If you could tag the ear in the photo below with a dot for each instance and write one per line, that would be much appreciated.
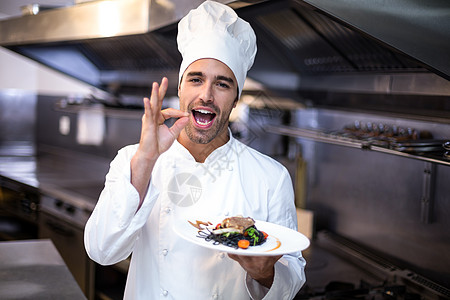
(237, 98)
(235, 102)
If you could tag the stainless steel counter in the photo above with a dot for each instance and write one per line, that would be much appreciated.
(34, 269)
(54, 190)
(75, 177)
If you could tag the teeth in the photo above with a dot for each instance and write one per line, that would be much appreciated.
(203, 123)
(203, 111)
(201, 118)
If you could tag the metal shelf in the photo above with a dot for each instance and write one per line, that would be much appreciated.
(324, 137)
(121, 113)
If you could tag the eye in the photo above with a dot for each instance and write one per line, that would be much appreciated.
(195, 80)
(223, 85)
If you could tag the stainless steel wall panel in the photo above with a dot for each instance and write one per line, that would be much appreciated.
(17, 116)
(376, 198)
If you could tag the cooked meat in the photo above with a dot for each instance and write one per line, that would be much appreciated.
(239, 223)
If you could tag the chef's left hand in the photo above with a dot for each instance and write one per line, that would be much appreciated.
(260, 268)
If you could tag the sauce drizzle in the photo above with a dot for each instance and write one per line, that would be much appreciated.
(277, 246)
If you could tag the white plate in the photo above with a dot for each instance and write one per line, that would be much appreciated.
(281, 240)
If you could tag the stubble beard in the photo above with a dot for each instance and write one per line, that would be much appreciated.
(205, 136)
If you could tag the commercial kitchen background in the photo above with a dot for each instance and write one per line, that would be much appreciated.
(378, 213)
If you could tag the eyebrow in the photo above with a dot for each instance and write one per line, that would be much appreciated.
(225, 78)
(194, 74)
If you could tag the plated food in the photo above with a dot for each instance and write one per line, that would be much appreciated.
(279, 240)
(236, 232)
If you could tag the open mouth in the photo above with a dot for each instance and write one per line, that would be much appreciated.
(203, 117)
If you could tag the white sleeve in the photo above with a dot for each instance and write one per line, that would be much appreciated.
(289, 278)
(113, 228)
(290, 269)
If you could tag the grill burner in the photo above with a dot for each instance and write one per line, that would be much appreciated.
(336, 290)
(338, 269)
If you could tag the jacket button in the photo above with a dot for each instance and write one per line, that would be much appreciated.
(167, 210)
(222, 255)
(215, 296)
(165, 293)
(165, 251)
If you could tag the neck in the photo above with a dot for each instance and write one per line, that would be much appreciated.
(201, 151)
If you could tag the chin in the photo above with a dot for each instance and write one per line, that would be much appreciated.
(200, 136)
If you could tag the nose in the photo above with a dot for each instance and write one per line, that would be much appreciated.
(207, 93)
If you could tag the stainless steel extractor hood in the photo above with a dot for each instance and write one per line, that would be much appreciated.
(109, 44)
(122, 46)
(353, 45)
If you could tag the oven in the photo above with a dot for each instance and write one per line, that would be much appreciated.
(64, 212)
(61, 221)
(19, 209)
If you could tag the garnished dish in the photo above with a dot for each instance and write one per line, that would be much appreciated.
(236, 232)
(256, 238)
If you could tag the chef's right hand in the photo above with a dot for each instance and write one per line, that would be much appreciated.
(156, 137)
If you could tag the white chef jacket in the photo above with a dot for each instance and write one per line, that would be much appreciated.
(234, 180)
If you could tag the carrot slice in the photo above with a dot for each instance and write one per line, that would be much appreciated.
(243, 244)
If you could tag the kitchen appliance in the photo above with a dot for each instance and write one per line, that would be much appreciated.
(62, 218)
(19, 207)
(64, 211)
(360, 273)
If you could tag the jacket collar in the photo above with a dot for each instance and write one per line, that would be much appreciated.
(223, 151)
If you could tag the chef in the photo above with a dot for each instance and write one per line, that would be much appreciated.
(195, 170)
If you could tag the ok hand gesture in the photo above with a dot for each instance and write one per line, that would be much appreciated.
(156, 137)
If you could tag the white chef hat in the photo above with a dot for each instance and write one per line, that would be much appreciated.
(214, 30)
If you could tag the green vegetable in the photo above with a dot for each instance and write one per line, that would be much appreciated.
(251, 232)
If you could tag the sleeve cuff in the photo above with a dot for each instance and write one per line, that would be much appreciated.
(276, 291)
(254, 289)
(283, 286)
